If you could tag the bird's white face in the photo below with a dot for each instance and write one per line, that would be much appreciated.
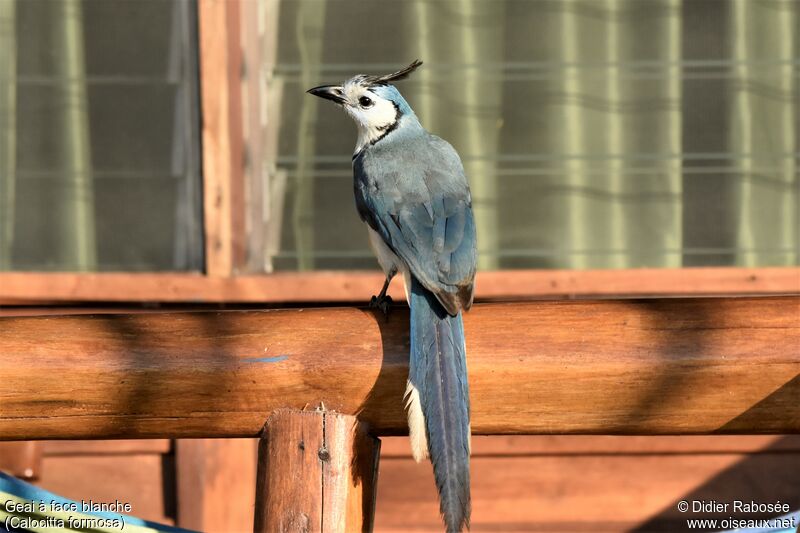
(372, 102)
(373, 114)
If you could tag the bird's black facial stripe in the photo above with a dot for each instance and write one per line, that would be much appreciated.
(388, 128)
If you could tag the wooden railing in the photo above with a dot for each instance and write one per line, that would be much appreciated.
(355, 286)
(668, 366)
(665, 366)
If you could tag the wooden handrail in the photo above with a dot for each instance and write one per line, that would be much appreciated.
(356, 286)
(668, 366)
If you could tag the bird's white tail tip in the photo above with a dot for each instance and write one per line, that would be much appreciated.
(416, 424)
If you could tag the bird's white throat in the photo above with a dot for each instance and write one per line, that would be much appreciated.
(374, 122)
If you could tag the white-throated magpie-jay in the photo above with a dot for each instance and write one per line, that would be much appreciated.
(412, 193)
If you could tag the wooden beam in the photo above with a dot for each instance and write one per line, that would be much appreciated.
(669, 366)
(354, 286)
(317, 471)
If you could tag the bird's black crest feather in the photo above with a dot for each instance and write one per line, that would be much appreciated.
(394, 76)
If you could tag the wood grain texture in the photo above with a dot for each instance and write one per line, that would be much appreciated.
(52, 448)
(220, 67)
(214, 484)
(618, 492)
(316, 472)
(520, 483)
(350, 475)
(547, 445)
(143, 480)
(598, 367)
(353, 286)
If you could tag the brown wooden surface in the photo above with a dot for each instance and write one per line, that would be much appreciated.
(354, 286)
(629, 490)
(215, 481)
(520, 483)
(139, 479)
(220, 66)
(543, 445)
(21, 459)
(316, 472)
(294, 502)
(53, 448)
(573, 483)
(350, 475)
(614, 367)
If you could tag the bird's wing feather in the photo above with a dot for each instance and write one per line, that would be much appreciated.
(418, 200)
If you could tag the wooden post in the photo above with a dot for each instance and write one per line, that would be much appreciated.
(317, 471)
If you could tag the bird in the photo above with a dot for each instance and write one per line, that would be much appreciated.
(412, 193)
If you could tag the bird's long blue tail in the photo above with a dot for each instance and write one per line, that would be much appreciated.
(438, 386)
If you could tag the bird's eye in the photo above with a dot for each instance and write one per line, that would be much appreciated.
(365, 101)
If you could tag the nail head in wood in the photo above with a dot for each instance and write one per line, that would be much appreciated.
(332, 490)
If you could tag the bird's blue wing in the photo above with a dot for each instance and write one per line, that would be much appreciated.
(418, 200)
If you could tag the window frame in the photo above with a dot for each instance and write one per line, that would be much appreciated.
(222, 145)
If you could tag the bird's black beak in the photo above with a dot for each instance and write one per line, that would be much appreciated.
(328, 92)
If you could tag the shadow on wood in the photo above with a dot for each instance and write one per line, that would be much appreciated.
(671, 366)
(768, 481)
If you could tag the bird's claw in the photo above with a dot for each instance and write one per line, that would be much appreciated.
(383, 303)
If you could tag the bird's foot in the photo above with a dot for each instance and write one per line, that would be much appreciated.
(383, 303)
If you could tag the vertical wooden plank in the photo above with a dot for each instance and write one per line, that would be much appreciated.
(236, 132)
(220, 72)
(317, 471)
(215, 484)
(254, 173)
(289, 477)
(262, 91)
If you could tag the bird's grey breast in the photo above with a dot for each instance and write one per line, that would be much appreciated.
(414, 194)
(384, 179)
